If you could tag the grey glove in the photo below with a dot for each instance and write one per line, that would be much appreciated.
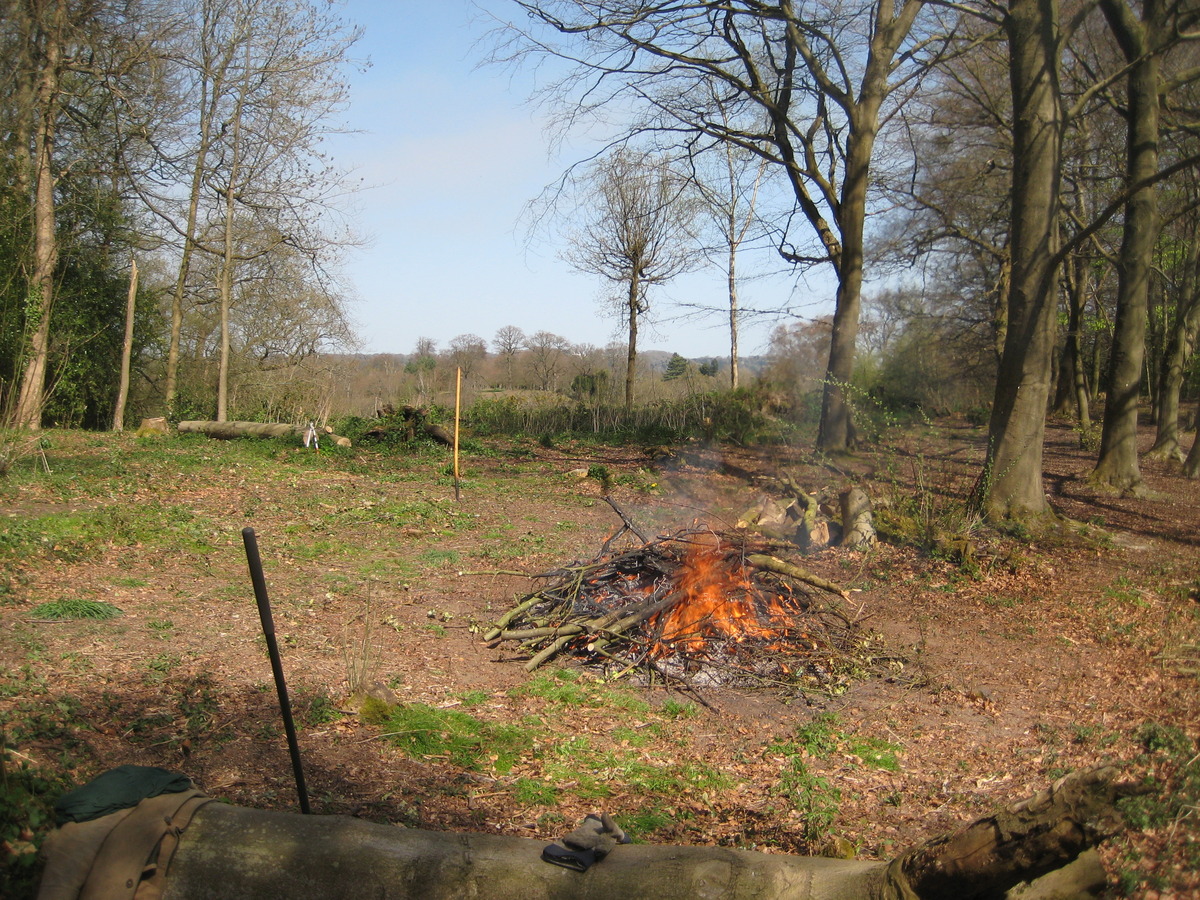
(598, 834)
(589, 843)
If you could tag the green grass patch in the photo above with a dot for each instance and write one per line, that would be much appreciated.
(567, 687)
(79, 534)
(560, 686)
(423, 731)
(532, 792)
(435, 557)
(594, 771)
(875, 753)
(75, 608)
(636, 737)
(677, 710)
(644, 823)
(823, 736)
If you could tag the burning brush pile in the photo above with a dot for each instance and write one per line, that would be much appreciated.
(700, 609)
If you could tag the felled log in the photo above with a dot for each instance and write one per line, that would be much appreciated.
(234, 852)
(233, 430)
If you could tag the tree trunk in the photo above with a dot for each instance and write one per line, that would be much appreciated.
(633, 302)
(733, 311)
(1072, 381)
(1117, 466)
(50, 33)
(836, 432)
(126, 350)
(1011, 483)
(1077, 278)
(1191, 465)
(1178, 353)
(231, 852)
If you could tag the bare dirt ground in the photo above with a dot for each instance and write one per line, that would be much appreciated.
(1028, 660)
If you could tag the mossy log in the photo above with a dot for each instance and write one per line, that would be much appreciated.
(230, 852)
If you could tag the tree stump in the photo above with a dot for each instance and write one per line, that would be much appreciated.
(858, 529)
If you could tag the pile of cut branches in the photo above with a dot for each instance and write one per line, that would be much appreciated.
(700, 608)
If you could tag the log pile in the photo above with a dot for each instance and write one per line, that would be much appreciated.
(813, 521)
(697, 607)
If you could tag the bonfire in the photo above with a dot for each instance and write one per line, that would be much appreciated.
(699, 608)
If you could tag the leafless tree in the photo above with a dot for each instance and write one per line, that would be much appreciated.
(548, 355)
(507, 343)
(727, 180)
(259, 83)
(805, 86)
(1144, 32)
(467, 351)
(636, 234)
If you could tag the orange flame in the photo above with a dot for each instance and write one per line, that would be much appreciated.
(719, 601)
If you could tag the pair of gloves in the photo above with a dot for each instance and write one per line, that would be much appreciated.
(593, 840)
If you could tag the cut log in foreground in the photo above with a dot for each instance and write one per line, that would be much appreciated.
(234, 852)
(233, 430)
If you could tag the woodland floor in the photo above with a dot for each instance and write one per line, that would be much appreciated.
(1034, 659)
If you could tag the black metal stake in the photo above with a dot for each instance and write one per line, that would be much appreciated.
(268, 627)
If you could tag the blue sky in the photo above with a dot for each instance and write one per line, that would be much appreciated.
(450, 154)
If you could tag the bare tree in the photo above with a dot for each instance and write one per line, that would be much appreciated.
(466, 352)
(507, 343)
(1143, 35)
(728, 180)
(805, 87)
(636, 235)
(1181, 340)
(260, 82)
(547, 356)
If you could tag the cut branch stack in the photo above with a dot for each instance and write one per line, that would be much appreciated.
(743, 615)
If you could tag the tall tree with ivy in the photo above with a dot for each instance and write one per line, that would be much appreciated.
(69, 68)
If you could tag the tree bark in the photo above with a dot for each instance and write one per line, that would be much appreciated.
(733, 315)
(891, 26)
(126, 350)
(1117, 466)
(1191, 465)
(49, 34)
(1011, 483)
(231, 852)
(1179, 351)
(633, 304)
